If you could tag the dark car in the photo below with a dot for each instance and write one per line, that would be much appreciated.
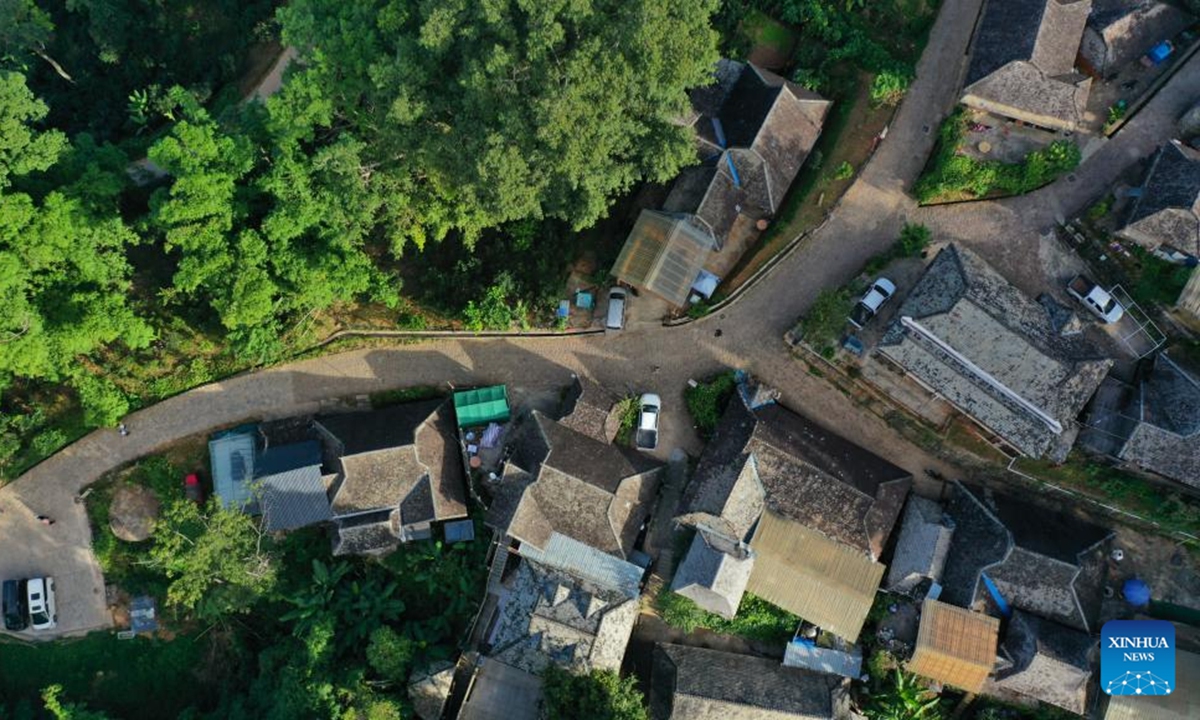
(192, 489)
(15, 617)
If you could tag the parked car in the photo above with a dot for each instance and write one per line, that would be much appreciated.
(15, 616)
(192, 489)
(879, 293)
(39, 596)
(647, 428)
(1095, 298)
(615, 319)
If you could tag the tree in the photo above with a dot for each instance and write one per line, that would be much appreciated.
(23, 148)
(214, 558)
(599, 695)
(63, 270)
(103, 402)
(26, 28)
(477, 114)
(52, 698)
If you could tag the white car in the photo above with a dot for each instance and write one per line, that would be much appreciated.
(650, 407)
(879, 293)
(39, 595)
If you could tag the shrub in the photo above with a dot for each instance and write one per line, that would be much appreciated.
(845, 171)
(390, 654)
(914, 238)
(598, 695)
(627, 410)
(889, 86)
(706, 402)
(103, 402)
(679, 612)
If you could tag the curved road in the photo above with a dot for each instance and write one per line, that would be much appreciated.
(746, 334)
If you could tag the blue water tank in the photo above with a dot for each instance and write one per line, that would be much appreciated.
(1136, 592)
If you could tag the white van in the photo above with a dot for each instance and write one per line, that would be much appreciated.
(43, 615)
(615, 320)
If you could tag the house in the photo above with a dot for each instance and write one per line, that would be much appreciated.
(547, 616)
(691, 683)
(283, 481)
(429, 688)
(567, 499)
(955, 646)
(664, 254)
(1119, 32)
(397, 470)
(1182, 705)
(921, 549)
(1165, 215)
(1023, 62)
(567, 511)
(1004, 556)
(968, 335)
(1046, 661)
(1164, 415)
(792, 513)
(754, 130)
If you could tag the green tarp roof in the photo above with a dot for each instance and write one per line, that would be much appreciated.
(481, 406)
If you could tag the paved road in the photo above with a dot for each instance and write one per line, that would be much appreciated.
(746, 334)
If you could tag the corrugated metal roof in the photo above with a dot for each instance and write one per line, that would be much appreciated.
(586, 562)
(802, 571)
(955, 646)
(481, 406)
(663, 254)
(1181, 705)
(232, 462)
(294, 499)
(803, 654)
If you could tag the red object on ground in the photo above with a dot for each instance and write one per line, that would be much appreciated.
(192, 489)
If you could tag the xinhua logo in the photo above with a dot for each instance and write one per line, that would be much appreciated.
(1137, 657)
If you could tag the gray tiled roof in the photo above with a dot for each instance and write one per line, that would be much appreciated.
(1057, 575)
(1166, 438)
(691, 683)
(566, 482)
(294, 499)
(1122, 30)
(921, 549)
(973, 337)
(404, 456)
(801, 471)
(1050, 662)
(365, 534)
(714, 574)
(770, 125)
(1168, 211)
(1022, 60)
(550, 617)
(589, 410)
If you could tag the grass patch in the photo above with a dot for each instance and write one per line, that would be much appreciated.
(1171, 510)
(1158, 282)
(756, 618)
(134, 679)
(951, 176)
(416, 393)
(707, 401)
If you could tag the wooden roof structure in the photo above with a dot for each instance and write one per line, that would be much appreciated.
(955, 646)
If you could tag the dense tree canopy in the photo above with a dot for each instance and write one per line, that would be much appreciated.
(598, 695)
(480, 113)
(64, 275)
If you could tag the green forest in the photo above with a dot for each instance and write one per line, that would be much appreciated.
(442, 160)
